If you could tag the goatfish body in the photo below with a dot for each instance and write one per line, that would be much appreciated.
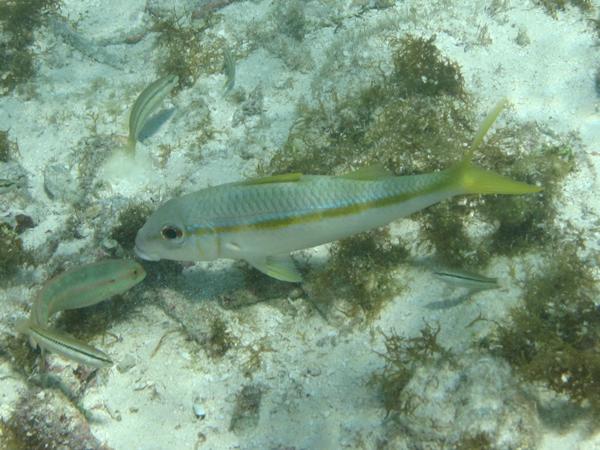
(262, 220)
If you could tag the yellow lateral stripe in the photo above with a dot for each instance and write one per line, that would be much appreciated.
(333, 212)
(284, 178)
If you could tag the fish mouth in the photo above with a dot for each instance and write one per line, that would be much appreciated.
(140, 254)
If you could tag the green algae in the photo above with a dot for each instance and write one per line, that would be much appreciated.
(87, 323)
(22, 356)
(553, 337)
(443, 226)
(219, 339)
(8, 148)
(553, 6)
(417, 119)
(420, 68)
(402, 356)
(246, 411)
(401, 122)
(46, 420)
(359, 271)
(12, 253)
(290, 19)
(18, 21)
(479, 441)
(130, 220)
(188, 49)
(257, 288)
(521, 223)
(526, 222)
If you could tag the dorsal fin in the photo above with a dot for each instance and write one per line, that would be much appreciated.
(485, 127)
(283, 178)
(368, 173)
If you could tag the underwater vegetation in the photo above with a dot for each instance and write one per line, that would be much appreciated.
(525, 223)
(479, 441)
(402, 121)
(520, 223)
(187, 49)
(12, 252)
(420, 68)
(553, 6)
(8, 148)
(360, 271)
(246, 411)
(418, 118)
(554, 337)
(44, 419)
(290, 19)
(130, 220)
(402, 356)
(18, 21)
(219, 339)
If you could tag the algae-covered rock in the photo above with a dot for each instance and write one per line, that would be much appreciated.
(60, 184)
(246, 411)
(46, 419)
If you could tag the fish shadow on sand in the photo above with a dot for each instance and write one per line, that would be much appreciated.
(154, 123)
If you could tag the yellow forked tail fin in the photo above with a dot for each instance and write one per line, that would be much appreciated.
(475, 180)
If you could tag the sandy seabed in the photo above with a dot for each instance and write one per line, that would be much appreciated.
(291, 379)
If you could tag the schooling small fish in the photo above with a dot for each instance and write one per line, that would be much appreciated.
(262, 220)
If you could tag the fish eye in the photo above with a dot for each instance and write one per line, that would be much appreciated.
(170, 232)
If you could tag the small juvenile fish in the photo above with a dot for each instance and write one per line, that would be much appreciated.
(228, 70)
(146, 104)
(85, 286)
(63, 344)
(469, 280)
(263, 220)
(77, 288)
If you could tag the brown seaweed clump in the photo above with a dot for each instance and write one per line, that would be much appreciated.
(554, 337)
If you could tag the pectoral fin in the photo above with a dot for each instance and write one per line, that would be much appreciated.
(279, 267)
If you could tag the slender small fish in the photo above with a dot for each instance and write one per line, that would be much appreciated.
(64, 344)
(472, 281)
(146, 104)
(263, 220)
(228, 70)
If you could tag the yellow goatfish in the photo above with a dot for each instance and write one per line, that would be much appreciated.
(262, 220)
